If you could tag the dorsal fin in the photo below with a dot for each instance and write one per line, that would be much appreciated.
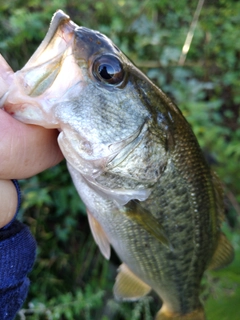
(99, 236)
(223, 254)
(128, 286)
(219, 196)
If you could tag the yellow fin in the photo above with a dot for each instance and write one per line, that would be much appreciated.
(164, 314)
(147, 221)
(128, 286)
(99, 236)
(223, 254)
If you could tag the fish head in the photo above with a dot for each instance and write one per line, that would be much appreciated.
(80, 82)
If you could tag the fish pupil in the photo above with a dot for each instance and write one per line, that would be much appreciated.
(106, 71)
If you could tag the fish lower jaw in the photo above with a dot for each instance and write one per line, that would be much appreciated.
(29, 114)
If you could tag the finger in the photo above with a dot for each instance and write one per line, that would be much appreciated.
(6, 74)
(8, 202)
(26, 150)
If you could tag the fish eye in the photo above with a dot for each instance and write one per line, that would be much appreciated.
(108, 69)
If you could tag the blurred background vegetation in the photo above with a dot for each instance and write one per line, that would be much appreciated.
(71, 280)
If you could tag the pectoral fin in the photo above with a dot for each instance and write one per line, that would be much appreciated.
(99, 236)
(147, 221)
(128, 286)
(223, 254)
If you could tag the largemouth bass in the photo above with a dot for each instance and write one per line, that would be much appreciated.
(134, 160)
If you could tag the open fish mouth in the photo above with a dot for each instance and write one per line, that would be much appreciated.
(58, 38)
(45, 78)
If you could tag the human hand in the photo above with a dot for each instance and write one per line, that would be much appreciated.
(25, 150)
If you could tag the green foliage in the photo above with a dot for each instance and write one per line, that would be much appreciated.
(65, 306)
(70, 279)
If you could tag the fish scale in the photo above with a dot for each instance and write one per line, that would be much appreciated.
(156, 249)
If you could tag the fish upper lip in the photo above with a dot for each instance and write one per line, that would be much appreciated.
(62, 27)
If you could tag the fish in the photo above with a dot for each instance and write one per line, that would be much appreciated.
(135, 162)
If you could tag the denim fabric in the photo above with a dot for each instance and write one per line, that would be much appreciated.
(17, 255)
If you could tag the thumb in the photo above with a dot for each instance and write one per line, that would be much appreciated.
(8, 202)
